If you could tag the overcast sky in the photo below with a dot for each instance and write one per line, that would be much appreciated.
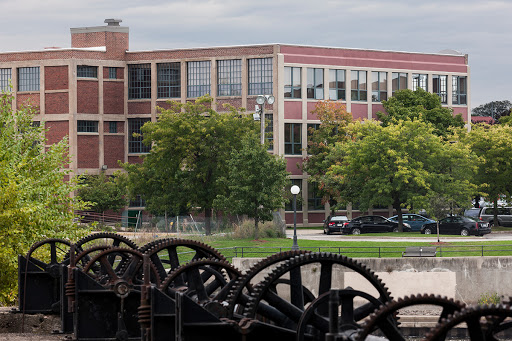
(480, 29)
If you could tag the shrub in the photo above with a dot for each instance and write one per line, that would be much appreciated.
(489, 298)
(266, 230)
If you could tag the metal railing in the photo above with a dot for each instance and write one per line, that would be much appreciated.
(372, 251)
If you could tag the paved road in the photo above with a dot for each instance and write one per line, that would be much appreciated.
(319, 235)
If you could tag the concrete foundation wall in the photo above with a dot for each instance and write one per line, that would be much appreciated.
(463, 279)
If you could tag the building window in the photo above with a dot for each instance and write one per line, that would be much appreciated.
(358, 86)
(269, 130)
(311, 128)
(337, 85)
(459, 89)
(169, 80)
(137, 202)
(293, 138)
(87, 126)
(87, 71)
(112, 127)
(112, 73)
(289, 204)
(398, 81)
(292, 76)
(139, 81)
(314, 199)
(28, 78)
(440, 87)
(419, 81)
(315, 88)
(379, 86)
(198, 78)
(5, 79)
(135, 137)
(260, 76)
(229, 77)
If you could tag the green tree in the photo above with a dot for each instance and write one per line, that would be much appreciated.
(493, 146)
(35, 193)
(494, 109)
(334, 119)
(102, 192)
(191, 144)
(255, 180)
(400, 165)
(408, 104)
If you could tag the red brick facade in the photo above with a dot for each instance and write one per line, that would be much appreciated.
(87, 151)
(56, 78)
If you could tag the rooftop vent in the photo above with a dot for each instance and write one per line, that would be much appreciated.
(113, 22)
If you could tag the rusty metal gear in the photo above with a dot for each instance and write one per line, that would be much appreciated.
(49, 252)
(271, 306)
(242, 288)
(383, 320)
(104, 238)
(483, 323)
(169, 254)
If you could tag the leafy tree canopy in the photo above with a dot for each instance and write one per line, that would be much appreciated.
(494, 109)
(407, 105)
(102, 192)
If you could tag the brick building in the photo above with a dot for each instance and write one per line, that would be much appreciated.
(98, 93)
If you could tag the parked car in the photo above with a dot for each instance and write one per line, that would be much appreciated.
(472, 212)
(372, 224)
(504, 216)
(464, 226)
(334, 224)
(416, 221)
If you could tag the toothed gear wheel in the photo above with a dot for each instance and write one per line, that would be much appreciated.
(145, 248)
(171, 253)
(102, 239)
(483, 323)
(269, 305)
(383, 319)
(239, 295)
(207, 281)
(48, 253)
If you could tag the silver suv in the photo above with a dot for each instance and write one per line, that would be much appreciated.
(504, 216)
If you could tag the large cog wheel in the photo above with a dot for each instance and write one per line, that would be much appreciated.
(270, 305)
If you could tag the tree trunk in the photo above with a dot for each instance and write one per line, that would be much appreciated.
(495, 219)
(207, 221)
(256, 234)
(398, 209)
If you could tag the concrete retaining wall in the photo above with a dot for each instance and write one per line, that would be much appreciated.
(464, 279)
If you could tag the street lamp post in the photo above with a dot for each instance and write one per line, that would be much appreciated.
(295, 190)
(261, 99)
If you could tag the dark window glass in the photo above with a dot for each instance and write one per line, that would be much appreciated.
(311, 128)
(315, 86)
(28, 78)
(398, 81)
(459, 89)
(139, 81)
(293, 138)
(314, 198)
(112, 73)
(269, 130)
(112, 127)
(419, 81)
(5, 79)
(292, 76)
(379, 86)
(198, 78)
(337, 85)
(229, 77)
(137, 202)
(440, 87)
(87, 71)
(168, 80)
(260, 76)
(289, 204)
(358, 83)
(87, 126)
(135, 137)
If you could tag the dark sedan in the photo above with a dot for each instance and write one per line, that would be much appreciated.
(372, 224)
(464, 226)
(334, 224)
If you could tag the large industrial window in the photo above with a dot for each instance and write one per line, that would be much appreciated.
(112, 127)
(292, 76)
(337, 85)
(440, 87)
(87, 126)
(229, 77)
(293, 138)
(315, 87)
(168, 80)
(419, 81)
(314, 198)
(260, 76)
(289, 205)
(28, 78)
(379, 86)
(139, 81)
(459, 89)
(87, 71)
(112, 73)
(135, 137)
(398, 81)
(5, 79)
(358, 83)
(198, 78)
